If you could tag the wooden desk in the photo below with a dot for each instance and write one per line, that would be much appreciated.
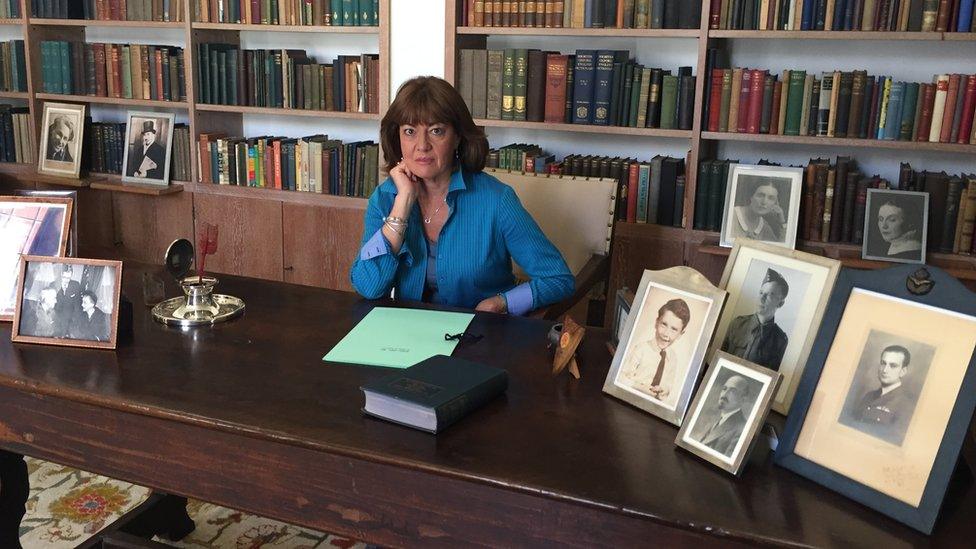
(247, 415)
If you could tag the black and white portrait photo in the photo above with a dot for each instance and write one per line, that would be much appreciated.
(895, 226)
(889, 379)
(69, 302)
(149, 144)
(62, 131)
(762, 203)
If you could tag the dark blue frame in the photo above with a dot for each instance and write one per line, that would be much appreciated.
(949, 294)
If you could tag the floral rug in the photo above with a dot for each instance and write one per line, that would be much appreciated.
(68, 506)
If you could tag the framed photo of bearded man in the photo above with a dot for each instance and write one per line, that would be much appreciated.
(149, 139)
(62, 132)
(762, 203)
(663, 342)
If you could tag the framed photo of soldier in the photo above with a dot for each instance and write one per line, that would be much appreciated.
(68, 301)
(776, 301)
(28, 225)
(889, 392)
(728, 412)
(149, 144)
(663, 343)
(762, 203)
(896, 226)
(62, 132)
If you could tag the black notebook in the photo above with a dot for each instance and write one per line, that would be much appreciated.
(434, 393)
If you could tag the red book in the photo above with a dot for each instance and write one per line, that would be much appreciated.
(101, 87)
(875, 106)
(204, 155)
(968, 106)
(123, 15)
(774, 116)
(745, 91)
(632, 180)
(715, 100)
(942, 20)
(159, 74)
(276, 160)
(754, 116)
(950, 107)
(255, 12)
(927, 97)
(715, 17)
(555, 109)
(113, 6)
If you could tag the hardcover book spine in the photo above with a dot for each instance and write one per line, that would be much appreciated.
(602, 91)
(938, 108)
(521, 82)
(794, 104)
(583, 74)
(555, 109)
(508, 85)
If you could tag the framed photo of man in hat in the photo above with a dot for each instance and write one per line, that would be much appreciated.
(62, 129)
(149, 139)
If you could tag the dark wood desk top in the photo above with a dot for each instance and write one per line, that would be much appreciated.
(262, 376)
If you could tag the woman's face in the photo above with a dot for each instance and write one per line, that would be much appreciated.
(891, 222)
(428, 150)
(764, 199)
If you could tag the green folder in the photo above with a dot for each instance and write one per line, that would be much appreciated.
(399, 338)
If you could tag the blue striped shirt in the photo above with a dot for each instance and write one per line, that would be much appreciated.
(486, 229)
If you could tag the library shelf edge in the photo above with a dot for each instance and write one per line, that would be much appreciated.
(113, 182)
(279, 111)
(584, 128)
(106, 23)
(337, 29)
(27, 173)
(899, 36)
(11, 21)
(571, 31)
(840, 142)
(94, 99)
(292, 197)
(14, 95)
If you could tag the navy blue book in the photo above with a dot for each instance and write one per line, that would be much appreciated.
(434, 393)
(583, 75)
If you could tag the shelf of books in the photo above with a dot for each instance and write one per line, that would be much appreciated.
(843, 142)
(838, 35)
(134, 24)
(94, 99)
(282, 111)
(251, 27)
(581, 32)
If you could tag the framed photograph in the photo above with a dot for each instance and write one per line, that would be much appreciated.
(62, 131)
(776, 301)
(621, 309)
(72, 249)
(762, 203)
(888, 393)
(68, 301)
(29, 225)
(149, 143)
(729, 411)
(896, 226)
(663, 342)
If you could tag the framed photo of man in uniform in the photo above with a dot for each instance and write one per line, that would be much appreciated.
(776, 300)
(62, 131)
(762, 203)
(149, 144)
(663, 342)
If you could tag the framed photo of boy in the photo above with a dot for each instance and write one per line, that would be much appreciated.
(762, 203)
(729, 411)
(663, 342)
(29, 225)
(149, 144)
(68, 301)
(62, 132)
(888, 393)
(776, 300)
(896, 226)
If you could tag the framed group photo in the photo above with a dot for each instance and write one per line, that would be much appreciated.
(663, 342)
(762, 203)
(62, 133)
(149, 144)
(896, 226)
(68, 301)
(888, 394)
(776, 301)
(29, 225)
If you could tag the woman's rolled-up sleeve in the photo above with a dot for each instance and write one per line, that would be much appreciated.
(374, 271)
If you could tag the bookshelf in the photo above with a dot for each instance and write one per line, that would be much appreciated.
(636, 247)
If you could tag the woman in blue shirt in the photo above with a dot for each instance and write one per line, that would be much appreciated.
(439, 229)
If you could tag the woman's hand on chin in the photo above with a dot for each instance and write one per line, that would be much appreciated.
(494, 304)
(406, 182)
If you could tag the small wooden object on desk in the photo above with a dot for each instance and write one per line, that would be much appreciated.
(572, 335)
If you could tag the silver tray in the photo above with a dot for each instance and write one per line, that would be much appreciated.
(174, 312)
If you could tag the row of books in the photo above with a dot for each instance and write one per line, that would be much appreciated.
(313, 164)
(597, 14)
(952, 207)
(599, 87)
(843, 15)
(842, 104)
(104, 149)
(287, 79)
(9, 9)
(130, 71)
(16, 135)
(109, 10)
(336, 13)
(13, 68)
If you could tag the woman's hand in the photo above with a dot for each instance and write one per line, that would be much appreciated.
(406, 182)
(494, 304)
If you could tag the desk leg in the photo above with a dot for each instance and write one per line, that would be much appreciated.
(167, 518)
(14, 491)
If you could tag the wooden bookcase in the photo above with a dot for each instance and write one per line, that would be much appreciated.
(292, 236)
(636, 247)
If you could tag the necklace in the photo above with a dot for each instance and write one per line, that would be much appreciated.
(431, 216)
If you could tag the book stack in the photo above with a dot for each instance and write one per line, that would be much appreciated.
(130, 71)
(344, 13)
(9, 9)
(843, 104)
(583, 14)
(843, 15)
(16, 135)
(599, 87)
(287, 79)
(314, 163)
(952, 208)
(109, 10)
(13, 69)
(104, 149)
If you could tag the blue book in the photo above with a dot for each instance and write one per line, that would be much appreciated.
(893, 119)
(965, 15)
(806, 21)
(584, 72)
(643, 185)
(588, 14)
(602, 90)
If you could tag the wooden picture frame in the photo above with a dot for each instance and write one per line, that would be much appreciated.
(148, 148)
(21, 235)
(667, 333)
(61, 138)
(899, 234)
(622, 303)
(754, 204)
(809, 280)
(894, 453)
(72, 248)
(65, 319)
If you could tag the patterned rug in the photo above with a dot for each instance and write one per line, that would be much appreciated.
(68, 506)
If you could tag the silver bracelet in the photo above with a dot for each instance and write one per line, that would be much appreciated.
(394, 228)
(396, 220)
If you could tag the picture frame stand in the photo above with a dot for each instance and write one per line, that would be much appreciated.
(569, 338)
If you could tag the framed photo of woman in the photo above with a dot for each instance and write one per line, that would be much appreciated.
(896, 226)
(62, 132)
(762, 203)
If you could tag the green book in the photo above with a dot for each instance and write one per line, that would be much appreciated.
(520, 80)
(64, 63)
(508, 85)
(348, 12)
(366, 13)
(723, 113)
(701, 195)
(669, 101)
(47, 79)
(635, 92)
(126, 73)
(794, 102)
(908, 112)
(336, 13)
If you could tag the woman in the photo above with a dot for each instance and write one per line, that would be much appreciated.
(899, 229)
(762, 218)
(439, 229)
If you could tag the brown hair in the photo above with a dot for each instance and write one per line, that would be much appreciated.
(430, 100)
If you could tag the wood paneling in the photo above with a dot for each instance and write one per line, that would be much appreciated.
(640, 247)
(146, 225)
(250, 235)
(320, 244)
